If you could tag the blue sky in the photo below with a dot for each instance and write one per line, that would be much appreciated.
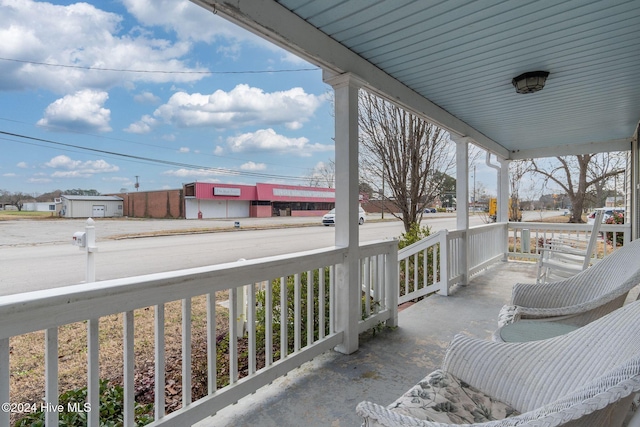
(180, 88)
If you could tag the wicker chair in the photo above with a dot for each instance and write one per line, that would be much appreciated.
(579, 299)
(588, 377)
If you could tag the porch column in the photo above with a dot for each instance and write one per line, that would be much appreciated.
(347, 290)
(462, 197)
(633, 205)
(503, 191)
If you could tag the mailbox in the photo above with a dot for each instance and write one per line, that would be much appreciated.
(80, 239)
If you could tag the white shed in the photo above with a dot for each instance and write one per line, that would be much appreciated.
(91, 206)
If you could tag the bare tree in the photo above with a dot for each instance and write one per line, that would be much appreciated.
(323, 174)
(403, 151)
(576, 174)
(517, 170)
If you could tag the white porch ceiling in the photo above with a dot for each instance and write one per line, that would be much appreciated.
(453, 61)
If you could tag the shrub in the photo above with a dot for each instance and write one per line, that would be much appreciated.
(290, 307)
(408, 267)
(111, 409)
(615, 218)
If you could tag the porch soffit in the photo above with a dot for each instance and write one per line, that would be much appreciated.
(453, 62)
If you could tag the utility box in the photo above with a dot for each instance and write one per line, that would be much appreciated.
(79, 239)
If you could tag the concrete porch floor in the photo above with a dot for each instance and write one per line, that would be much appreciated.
(325, 391)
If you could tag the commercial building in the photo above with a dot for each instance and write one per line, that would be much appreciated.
(212, 200)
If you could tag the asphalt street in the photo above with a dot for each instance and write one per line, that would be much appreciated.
(37, 255)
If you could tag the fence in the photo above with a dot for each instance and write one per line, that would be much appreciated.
(302, 284)
(525, 237)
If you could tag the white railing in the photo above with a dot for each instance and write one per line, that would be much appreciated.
(422, 268)
(379, 283)
(448, 258)
(524, 238)
(302, 284)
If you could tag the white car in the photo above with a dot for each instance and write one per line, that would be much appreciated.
(330, 217)
(608, 213)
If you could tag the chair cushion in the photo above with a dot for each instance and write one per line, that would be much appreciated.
(441, 397)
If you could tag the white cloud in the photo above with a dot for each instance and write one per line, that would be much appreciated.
(184, 150)
(39, 178)
(69, 168)
(192, 22)
(81, 111)
(147, 98)
(9, 175)
(252, 166)
(142, 126)
(22, 165)
(242, 106)
(218, 150)
(269, 140)
(82, 35)
(195, 173)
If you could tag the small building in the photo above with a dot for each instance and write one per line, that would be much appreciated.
(91, 206)
(42, 206)
(211, 200)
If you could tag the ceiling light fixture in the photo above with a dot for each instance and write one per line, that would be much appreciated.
(530, 82)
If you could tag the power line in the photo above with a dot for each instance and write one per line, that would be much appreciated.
(222, 171)
(155, 146)
(124, 70)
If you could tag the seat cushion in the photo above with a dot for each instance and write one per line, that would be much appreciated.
(441, 397)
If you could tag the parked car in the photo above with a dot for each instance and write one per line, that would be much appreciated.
(330, 217)
(430, 210)
(608, 213)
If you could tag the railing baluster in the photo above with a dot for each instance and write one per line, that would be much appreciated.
(51, 376)
(268, 324)
(251, 328)
(284, 304)
(380, 280)
(416, 267)
(425, 268)
(310, 296)
(159, 372)
(367, 286)
(332, 299)
(211, 344)
(129, 363)
(233, 335)
(321, 303)
(186, 352)
(297, 315)
(93, 372)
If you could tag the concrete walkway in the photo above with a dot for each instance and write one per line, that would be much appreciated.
(325, 392)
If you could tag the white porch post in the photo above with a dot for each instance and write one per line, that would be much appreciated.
(462, 197)
(503, 191)
(633, 205)
(346, 234)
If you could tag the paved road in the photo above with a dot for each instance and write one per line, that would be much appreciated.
(52, 261)
(38, 255)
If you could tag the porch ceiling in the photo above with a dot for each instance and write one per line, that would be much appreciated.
(453, 61)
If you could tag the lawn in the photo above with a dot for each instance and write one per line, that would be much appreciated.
(11, 215)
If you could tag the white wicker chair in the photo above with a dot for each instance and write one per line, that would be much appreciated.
(579, 299)
(588, 377)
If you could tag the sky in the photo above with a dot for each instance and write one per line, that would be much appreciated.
(94, 94)
(105, 94)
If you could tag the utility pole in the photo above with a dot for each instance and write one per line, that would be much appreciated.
(137, 185)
